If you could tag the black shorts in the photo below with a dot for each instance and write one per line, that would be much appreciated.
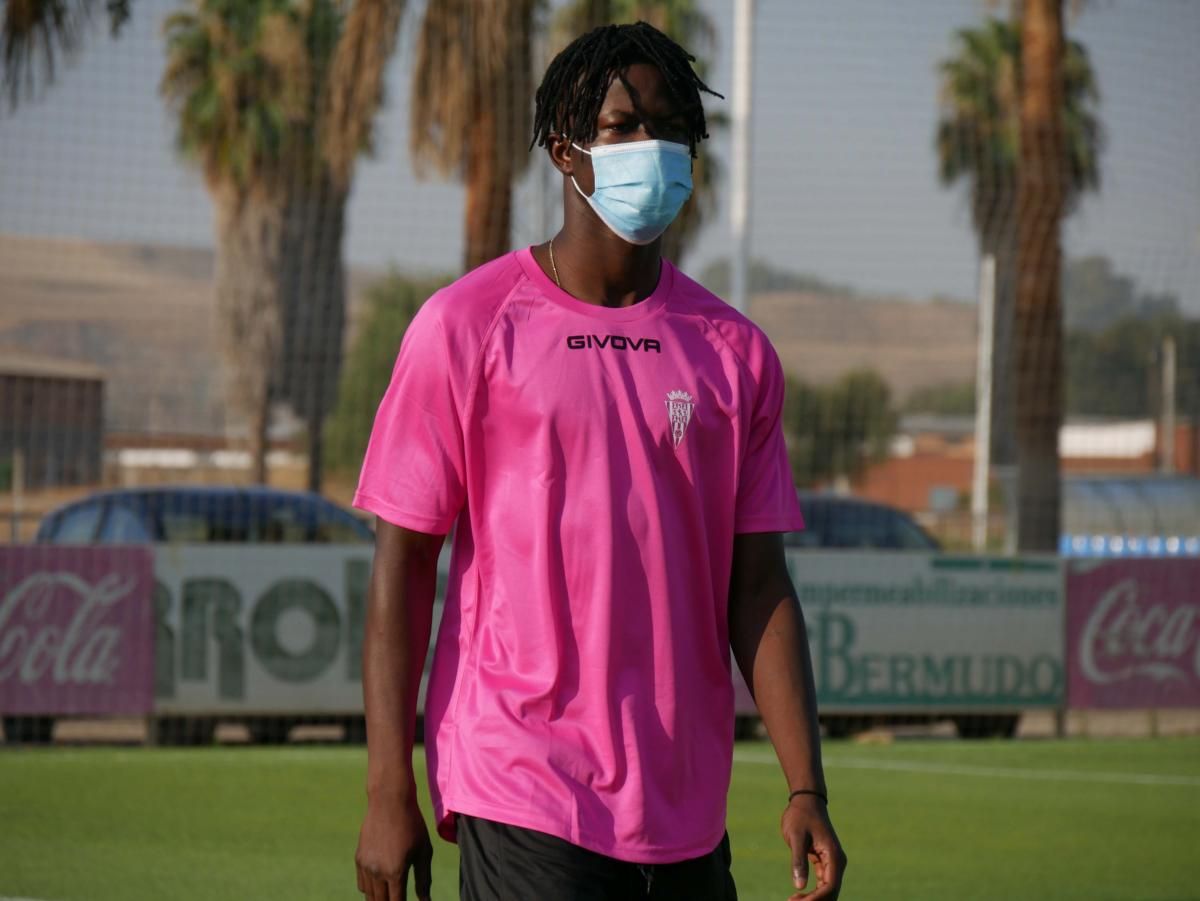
(499, 862)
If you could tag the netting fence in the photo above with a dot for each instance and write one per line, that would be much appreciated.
(213, 238)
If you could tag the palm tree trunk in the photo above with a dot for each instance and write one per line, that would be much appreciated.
(496, 142)
(598, 12)
(1038, 314)
(316, 291)
(260, 422)
(489, 190)
(314, 295)
(1001, 244)
(249, 245)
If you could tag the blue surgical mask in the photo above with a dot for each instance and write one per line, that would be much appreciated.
(640, 186)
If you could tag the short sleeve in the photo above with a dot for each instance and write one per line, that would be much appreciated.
(766, 495)
(413, 472)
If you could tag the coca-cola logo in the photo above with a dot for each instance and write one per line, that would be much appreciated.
(53, 625)
(1124, 638)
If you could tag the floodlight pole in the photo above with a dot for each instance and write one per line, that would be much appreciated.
(742, 109)
(983, 403)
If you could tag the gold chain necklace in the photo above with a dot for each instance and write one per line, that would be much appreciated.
(552, 266)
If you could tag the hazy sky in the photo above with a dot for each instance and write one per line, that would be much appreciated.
(844, 173)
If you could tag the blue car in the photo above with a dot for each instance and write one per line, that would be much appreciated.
(201, 514)
(838, 522)
(193, 514)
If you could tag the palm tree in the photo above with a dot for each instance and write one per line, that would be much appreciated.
(47, 29)
(276, 100)
(1045, 179)
(470, 108)
(978, 139)
(687, 24)
(239, 73)
(346, 90)
(389, 307)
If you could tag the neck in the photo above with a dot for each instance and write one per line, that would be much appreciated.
(597, 266)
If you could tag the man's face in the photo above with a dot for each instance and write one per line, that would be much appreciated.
(645, 111)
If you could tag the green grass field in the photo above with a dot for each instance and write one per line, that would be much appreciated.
(922, 820)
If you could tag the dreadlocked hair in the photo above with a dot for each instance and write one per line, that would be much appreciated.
(569, 99)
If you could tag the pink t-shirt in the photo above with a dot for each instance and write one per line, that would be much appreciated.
(598, 462)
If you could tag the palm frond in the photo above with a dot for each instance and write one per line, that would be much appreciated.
(472, 57)
(48, 29)
(977, 137)
(240, 76)
(443, 90)
(354, 86)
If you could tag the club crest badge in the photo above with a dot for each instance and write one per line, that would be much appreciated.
(679, 409)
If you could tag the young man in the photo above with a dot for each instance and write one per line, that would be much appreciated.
(606, 435)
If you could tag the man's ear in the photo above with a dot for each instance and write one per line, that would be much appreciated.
(561, 154)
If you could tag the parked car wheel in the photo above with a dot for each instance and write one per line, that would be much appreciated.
(745, 728)
(984, 726)
(846, 726)
(184, 731)
(354, 730)
(270, 730)
(28, 730)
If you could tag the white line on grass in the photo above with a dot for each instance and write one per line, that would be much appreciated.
(948, 769)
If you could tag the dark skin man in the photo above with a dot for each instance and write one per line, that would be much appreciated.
(766, 625)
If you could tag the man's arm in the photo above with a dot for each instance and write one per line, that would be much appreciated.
(766, 630)
(400, 598)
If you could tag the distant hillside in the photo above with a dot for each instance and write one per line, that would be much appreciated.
(144, 315)
(910, 343)
(141, 313)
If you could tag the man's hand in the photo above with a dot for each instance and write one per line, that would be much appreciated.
(808, 832)
(393, 840)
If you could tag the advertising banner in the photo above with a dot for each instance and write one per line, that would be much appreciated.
(923, 632)
(226, 629)
(1133, 633)
(260, 629)
(76, 630)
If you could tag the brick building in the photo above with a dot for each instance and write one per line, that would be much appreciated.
(930, 468)
(52, 411)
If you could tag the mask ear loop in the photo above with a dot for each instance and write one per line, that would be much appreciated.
(573, 181)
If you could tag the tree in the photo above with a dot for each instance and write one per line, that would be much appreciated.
(691, 28)
(1116, 372)
(470, 109)
(275, 100)
(351, 55)
(943, 399)
(836, 430)
(48, 29)
(238, 72)
(1042, 193)
(1095, 296)
(978, 139)
(392, 302)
